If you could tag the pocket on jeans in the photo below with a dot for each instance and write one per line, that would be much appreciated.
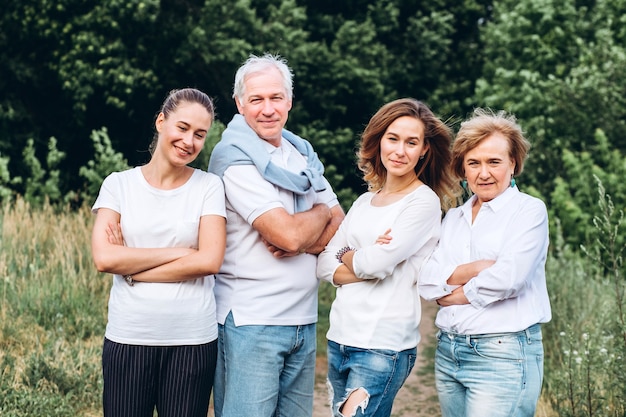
(411, 363)
(502, 348)
(536, 337)
(389, 354)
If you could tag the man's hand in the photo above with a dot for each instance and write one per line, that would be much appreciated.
(278, 252)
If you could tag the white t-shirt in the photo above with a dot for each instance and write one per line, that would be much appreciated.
(161, 314)
(383, 311)
(510, 295)
(257, 287)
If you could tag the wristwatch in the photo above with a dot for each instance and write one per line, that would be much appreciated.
(129, 280)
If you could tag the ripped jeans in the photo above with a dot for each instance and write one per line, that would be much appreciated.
(379, 372)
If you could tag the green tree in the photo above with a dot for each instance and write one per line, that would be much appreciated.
(43, 182)
(67, 66)
(106, 160)
(6, 182)
(575, 191)
(561, 69)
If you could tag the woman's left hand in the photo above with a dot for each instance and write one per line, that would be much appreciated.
(114, 234)
(457, 297)
(385, 238)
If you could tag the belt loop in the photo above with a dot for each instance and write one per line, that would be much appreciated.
(468, 339)
(528, 339)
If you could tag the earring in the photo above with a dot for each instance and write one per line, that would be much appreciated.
(464, 184)
(512, 182)
(421, 157)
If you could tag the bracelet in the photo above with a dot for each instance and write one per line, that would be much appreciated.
(129, 280)
(342, 252)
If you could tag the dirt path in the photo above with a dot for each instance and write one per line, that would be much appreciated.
(418, 396)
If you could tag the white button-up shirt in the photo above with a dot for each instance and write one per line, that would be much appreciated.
(510, 295)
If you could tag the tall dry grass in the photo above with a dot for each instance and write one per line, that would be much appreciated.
(52, 313)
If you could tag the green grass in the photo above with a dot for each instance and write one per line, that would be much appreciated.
(53, 316)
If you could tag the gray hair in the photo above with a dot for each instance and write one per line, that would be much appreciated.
(255, 64)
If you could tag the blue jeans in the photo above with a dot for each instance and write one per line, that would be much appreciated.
(380, 373)
(489, 375)
(264, 371)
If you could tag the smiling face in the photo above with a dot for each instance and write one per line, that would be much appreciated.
(401, 146)
(182, 133)
(489, 167)
(265, 104)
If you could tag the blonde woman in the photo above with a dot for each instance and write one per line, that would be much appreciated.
(488, 276)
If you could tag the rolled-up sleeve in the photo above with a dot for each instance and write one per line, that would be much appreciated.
(434, 276)
(522, 256)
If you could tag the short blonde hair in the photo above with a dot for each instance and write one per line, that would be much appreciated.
(481, 125)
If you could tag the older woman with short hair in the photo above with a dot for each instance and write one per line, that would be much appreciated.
(488, 276)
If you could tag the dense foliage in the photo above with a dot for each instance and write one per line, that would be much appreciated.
(71, 70)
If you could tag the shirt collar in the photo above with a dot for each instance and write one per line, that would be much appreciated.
(494, 205)
(502, 200)
(283, 151)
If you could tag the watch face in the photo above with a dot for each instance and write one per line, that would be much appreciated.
(129, 280)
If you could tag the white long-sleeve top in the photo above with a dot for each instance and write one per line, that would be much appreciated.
(383, 311)
(510, 295)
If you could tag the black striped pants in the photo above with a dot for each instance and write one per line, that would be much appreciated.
(177, 380)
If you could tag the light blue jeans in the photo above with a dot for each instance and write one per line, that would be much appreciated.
(489, 375)
(380, 373)
(264, 371)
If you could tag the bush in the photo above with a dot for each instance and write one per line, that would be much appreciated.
(585, 342)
